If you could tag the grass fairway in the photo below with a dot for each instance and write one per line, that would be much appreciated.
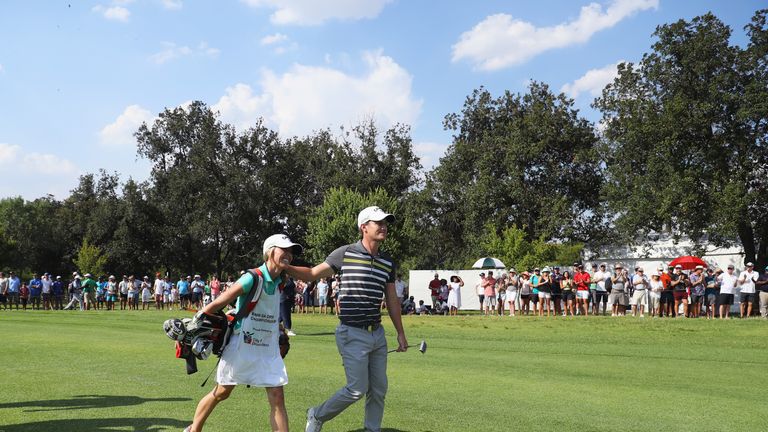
(116, 371)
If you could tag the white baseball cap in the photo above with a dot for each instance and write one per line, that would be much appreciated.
(282, 241)
(373, 213)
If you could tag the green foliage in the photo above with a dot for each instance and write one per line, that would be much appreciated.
(90, 259)
(334, 223)
(514, 250)
(686, 137)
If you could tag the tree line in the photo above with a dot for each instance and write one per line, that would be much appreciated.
(681, 147)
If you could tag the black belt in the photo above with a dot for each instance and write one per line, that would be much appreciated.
(367, 327)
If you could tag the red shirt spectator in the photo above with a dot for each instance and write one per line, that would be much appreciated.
(582, 280)
(434, 286)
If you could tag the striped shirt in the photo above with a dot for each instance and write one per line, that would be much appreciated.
(364, 278)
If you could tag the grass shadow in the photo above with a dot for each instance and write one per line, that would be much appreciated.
(104, 424)
(85, 402)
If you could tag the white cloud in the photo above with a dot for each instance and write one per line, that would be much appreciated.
(314, 12)
(592, 82)
(273, 39)
(501, 41)
(120, 132)
(1, 67)
(33, 175)
(114, 13)
(429, 153)
(308, 98)
(173, 52)
(173, 4)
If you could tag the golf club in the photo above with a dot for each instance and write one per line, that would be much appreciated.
(422, 347)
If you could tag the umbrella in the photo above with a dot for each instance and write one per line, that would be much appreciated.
(488, 263)
(688, 262)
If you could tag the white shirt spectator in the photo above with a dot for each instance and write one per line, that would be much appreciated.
(47, 282)
(747, 281)
(599, 278)
(727, 283)
(159, 286)
(322, 288)
(400, 288)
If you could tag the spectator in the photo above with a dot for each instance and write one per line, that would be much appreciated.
(133, 293)
(185, 296)
(335, 288)
(434, 290)
(89, 291)
(216, 288)
(654, 294)
(175, 297)
(159, 289)
(746, 281)
(197, 287)
(287, 300)
(4, 290)
(762, 285)
(442, 296)
(710, 293)
(513, 282)
(409, 306)
(101, 292)
(124, 285)
(309, 296)
(727, 283)
(600, 294)
(697, 291)
(35, 291)
(545, 291)
(501, 293)
(111, 292)
(582, 281)
(557, 292)
(525, 293)
(640, 284)
(489, 291)
(535, 289)
(57, 292)
(480, 290)
(47, 284)
(14, 289)
(146, 293)
(400, 288)
(422, 309)
(569, 297)
(454, 294)
(679, 290)
(322, 295)
(667, 297)
(593, 288)
(75, 293)
(618, 297)
(24, 295)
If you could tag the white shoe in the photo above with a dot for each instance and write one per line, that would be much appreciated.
(313, 424)
(290, 333)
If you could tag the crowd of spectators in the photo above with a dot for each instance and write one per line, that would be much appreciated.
(666, 291)
(87, 292)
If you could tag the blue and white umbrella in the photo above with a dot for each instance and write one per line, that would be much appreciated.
(488, 263)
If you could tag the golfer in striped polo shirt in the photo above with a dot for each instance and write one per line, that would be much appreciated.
(367, 277)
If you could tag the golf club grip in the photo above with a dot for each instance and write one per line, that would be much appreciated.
(391, 351)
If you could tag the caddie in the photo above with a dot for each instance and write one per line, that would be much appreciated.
(252, 356)
(367, 277)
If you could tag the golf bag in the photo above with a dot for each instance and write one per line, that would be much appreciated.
(206, 334)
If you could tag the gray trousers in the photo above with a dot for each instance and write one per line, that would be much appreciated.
(364, 355)
(764, 304)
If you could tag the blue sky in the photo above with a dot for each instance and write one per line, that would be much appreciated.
(77, 78)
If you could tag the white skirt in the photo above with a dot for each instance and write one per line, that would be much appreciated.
(241, 364)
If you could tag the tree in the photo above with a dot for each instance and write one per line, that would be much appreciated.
(334, 223)
(685, 137)
(512, 248)
(517, 160)
(90, 259)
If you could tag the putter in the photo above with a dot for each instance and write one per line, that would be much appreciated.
(422, 347)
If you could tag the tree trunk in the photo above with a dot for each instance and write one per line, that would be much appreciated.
(747, 237)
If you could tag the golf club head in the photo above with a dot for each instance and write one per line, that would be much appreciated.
(423, 346)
